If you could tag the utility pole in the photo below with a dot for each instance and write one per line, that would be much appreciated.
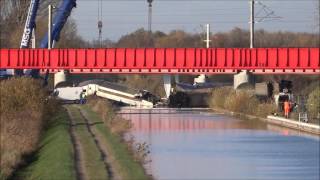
(100, 24)
(49, 26)
(100, 33)
(208, 36)
(203, 76)
(201, 79)
(252, 23)
(150, 15)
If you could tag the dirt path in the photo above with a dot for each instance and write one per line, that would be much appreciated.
(102, 144)
(78, 153)
(91, 152)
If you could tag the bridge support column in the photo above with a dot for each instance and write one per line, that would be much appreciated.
(167, 84)
(60, 77)
(177, 79)
(243, 79)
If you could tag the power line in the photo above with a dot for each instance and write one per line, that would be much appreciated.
(198, 0)
(265, 13)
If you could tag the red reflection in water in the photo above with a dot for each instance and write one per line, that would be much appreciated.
(285, 132)
(168, 121)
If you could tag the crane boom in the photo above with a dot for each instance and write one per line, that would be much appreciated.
(27, 32)
(30, 23)
(59, 21)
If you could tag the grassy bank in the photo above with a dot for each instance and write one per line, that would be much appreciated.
(54, 158)
(24, 111)
(243, 102)
(126, 160)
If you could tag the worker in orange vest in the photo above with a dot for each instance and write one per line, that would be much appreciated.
(286, 105)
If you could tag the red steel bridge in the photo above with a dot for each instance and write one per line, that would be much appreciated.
(165, 60)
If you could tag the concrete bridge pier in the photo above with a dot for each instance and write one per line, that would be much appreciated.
(60, 77)
(167, 85)
(243, 79)
(177, 78)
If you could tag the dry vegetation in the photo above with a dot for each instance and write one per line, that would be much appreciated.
(153, 83)
(105, 110)
(119, 126)
(313, 104)
(23, 110)
(240, 101)
(246, 102)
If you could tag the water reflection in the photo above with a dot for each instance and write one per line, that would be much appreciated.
(202, 145)
(291, 132)
(176, 120)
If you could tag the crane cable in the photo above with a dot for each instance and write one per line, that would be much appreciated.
(100, 24)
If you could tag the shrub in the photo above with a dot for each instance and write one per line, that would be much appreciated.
(265, 109)
(23, 106)
(313, 103)
(243, 101)
(218, 96)
(103, 107)
(119, 126)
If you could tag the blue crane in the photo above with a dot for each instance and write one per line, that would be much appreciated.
(30, 23)
(62, 14)
(29, 28)
(27, 33)
(59, 21)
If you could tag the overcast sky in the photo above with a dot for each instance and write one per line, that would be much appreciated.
(121, 17)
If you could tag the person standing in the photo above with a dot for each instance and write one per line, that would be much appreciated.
(286, 108)
(82, 101)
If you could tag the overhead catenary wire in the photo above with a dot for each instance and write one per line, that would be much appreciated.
(137, 18)
(195, 0)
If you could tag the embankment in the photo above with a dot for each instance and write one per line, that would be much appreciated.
(24, 112)
(54, 158)
(244, 104)
(125, 159)
(302, 126)
(37, 141)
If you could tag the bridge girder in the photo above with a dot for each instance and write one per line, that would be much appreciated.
(166, 60)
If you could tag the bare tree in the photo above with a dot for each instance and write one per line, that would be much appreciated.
(20, 8)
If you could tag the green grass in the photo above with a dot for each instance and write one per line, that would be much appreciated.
(127, 166)
(54, 159)
(93, 164)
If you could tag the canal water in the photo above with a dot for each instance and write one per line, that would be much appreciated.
(194, 144)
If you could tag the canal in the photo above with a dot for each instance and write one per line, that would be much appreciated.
(195, 144)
